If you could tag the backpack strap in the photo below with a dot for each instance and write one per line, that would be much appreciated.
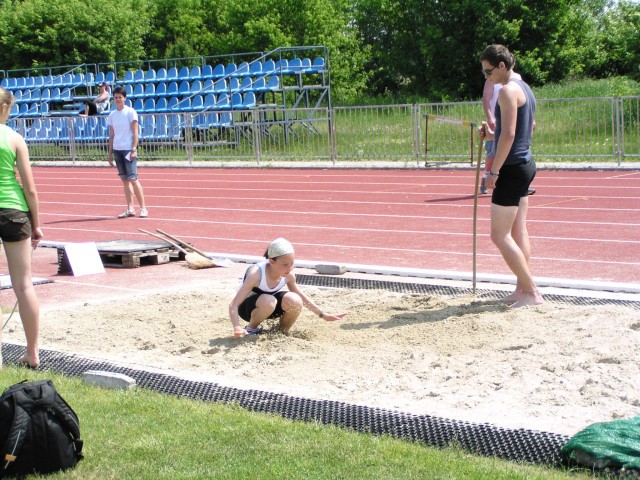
(62, 410)
(17, 434)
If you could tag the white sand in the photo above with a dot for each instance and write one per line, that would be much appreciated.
(554, 367)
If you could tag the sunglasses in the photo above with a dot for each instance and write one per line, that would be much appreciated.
(488, 71)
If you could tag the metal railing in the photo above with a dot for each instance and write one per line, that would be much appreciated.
(568, 130)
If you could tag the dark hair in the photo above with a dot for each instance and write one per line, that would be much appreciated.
(494, 54)
(121, 91)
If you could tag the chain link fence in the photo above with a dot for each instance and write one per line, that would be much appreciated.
(568, 130)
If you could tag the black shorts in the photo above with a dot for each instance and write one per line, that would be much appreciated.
(513, 183)
(15, 225)
(249, 304)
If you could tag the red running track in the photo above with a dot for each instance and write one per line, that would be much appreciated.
(584, 225)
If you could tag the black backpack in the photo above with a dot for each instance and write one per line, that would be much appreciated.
(39, 431)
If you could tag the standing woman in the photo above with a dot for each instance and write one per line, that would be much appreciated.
(19, 225)
(513, 170)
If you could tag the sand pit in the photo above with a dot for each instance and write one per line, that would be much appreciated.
(554, 367)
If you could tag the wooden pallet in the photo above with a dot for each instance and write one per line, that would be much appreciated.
(125, 254)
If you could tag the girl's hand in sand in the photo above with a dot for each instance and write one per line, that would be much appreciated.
(239, 332)
(332, 318)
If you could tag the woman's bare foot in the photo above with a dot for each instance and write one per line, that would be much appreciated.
(529, 298)
(513, 297)
(29, 362)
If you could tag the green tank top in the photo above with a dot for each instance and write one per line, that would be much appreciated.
(11, 193)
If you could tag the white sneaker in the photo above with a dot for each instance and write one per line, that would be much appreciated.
(144, 213)
(127, 213)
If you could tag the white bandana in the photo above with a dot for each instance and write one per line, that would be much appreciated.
(279, 247)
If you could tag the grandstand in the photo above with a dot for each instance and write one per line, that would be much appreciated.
(201, 99)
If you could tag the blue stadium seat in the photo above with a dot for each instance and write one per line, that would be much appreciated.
(160, 129)
(207, 86)
(147, 127)
(209, 101)
(128, 77)
(161, 74)
(6, 83)
(38, 81)
(295, 66)
(218, 71)
(242, 70)
(220, 86)
(138, 105)
(183, 74)
(21, 96)
(45, 94)
(15, 110)
(305, 66)
(100, 77)
(195, 73)
(149, 105)
(255, 68)
(204, 121)
(260, 85)
(28, 82)
(138, 91)
(222, 103)
(150, 75)
(172, 89)
(149, 90)
(268, 67)
(281, 66)
(246, 83)
(77, 79)
(102, 129)
(172, 73)
(138, 76)
(184, 88)
(197, 104)
(234, 84)
(128, 88)
(173, 103)
(161, 105)
(65, 94)
(110, 78)
(196, 86)
(236, 101)
(249, 100)
(161, 90)
(230, 69)
(35, 94)
(318, 65)
(207, 72)
(184, 105)
(225, 119)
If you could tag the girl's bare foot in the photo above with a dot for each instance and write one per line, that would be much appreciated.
(529, 298)
(28, 362)
(513, 297)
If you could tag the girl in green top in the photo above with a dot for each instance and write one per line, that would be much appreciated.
(19, 225)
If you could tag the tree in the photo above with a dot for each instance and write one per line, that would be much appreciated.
(41, 33)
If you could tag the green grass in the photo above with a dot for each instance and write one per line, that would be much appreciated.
(588, 88)
(139, 434)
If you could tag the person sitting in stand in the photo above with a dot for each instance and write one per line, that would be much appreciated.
(98, 104)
